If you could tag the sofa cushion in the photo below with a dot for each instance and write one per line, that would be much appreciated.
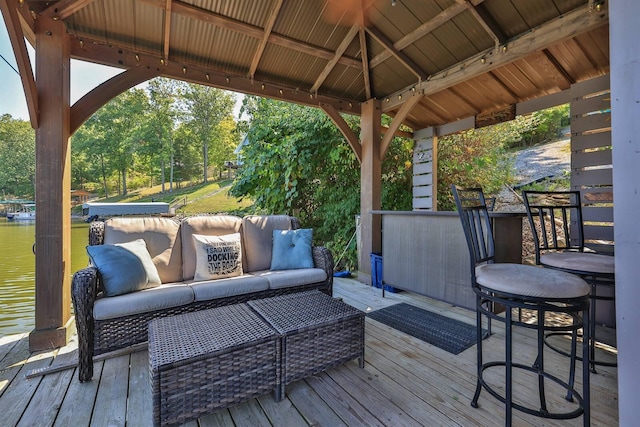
(217, 257)
(124, 267)
(162, 236)
(159, 298)
(292, 249)
(213, 289)
(206, 225)
(287, 278)
(257, 237)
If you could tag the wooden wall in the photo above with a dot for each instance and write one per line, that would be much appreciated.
(591, 164)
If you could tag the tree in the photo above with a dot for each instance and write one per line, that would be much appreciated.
(205, 109)
(17, 157)
(110, 136)
(160, 120)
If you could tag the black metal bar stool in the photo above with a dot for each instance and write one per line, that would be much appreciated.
(557, 225)
(517, 286)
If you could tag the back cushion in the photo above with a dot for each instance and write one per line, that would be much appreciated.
(207, 225)
(162, 236)
(257, 239)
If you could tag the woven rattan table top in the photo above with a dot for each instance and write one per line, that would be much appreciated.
(302, 310)
(202, 333)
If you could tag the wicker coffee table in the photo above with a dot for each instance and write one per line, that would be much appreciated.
(319, 332)
(208, 360)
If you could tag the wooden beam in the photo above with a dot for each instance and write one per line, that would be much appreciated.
(265, 38)
(107, 54)
(166, 30)
(16, 36)
(578, 21)
(365, 63)
(99, 96)
(339, 52)
(62, 9)
(397, 121)
(344, 128)
(194, 12)
(53, 320)
(400, 56)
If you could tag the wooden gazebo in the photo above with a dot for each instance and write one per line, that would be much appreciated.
(441, 65)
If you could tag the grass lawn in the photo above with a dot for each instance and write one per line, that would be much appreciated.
(200, 198)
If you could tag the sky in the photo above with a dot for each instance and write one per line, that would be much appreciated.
(84, 77)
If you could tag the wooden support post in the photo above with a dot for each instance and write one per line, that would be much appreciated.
(53, 319)
(370, 187)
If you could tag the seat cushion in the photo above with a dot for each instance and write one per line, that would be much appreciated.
(159, 298)
(580, 262)
(257, 237)
(220, 288)
(205, 225)
(162, 236)
(287, 278)
(530, 281)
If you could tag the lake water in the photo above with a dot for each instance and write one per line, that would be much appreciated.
(17, 271)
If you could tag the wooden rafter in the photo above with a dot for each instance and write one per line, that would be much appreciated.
(331, 64)
(365, 62)
(400, 56)
(486, 21)
(503, 86)
(421, 31)
(398, 120)
(16, 36)
(346, 131)
(265, 38)
(166, 30)
(559, 68)
(62, 9)
(199, 14)
(569, 25)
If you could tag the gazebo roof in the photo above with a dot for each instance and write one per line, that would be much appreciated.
(468, 57)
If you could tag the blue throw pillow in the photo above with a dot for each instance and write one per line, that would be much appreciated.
(292, 249)
(124, 267)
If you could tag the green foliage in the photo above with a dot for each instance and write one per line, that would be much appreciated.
(298, 163)
(17, 157)
(539, 127)
(474, 158)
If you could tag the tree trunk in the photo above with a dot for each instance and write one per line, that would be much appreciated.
(171, 174)
(104, 177)
(162, 169)
(124, 181)
(205, 154)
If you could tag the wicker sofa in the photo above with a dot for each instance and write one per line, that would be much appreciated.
(108, 323)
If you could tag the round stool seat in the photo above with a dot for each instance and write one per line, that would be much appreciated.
(530, 281)
(583, 262)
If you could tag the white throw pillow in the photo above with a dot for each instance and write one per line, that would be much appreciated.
(217, 256)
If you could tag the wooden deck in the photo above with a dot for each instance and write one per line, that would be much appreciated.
(405, 382)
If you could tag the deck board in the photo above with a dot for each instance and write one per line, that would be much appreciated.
(405, 382)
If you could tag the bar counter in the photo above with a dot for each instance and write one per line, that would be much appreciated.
(425, 252)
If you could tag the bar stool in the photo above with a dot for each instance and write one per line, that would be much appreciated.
(522, 287)
(556, 222)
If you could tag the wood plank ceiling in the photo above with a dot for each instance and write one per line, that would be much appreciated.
(467, 57)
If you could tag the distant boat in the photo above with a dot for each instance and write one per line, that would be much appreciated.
(25, 212)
